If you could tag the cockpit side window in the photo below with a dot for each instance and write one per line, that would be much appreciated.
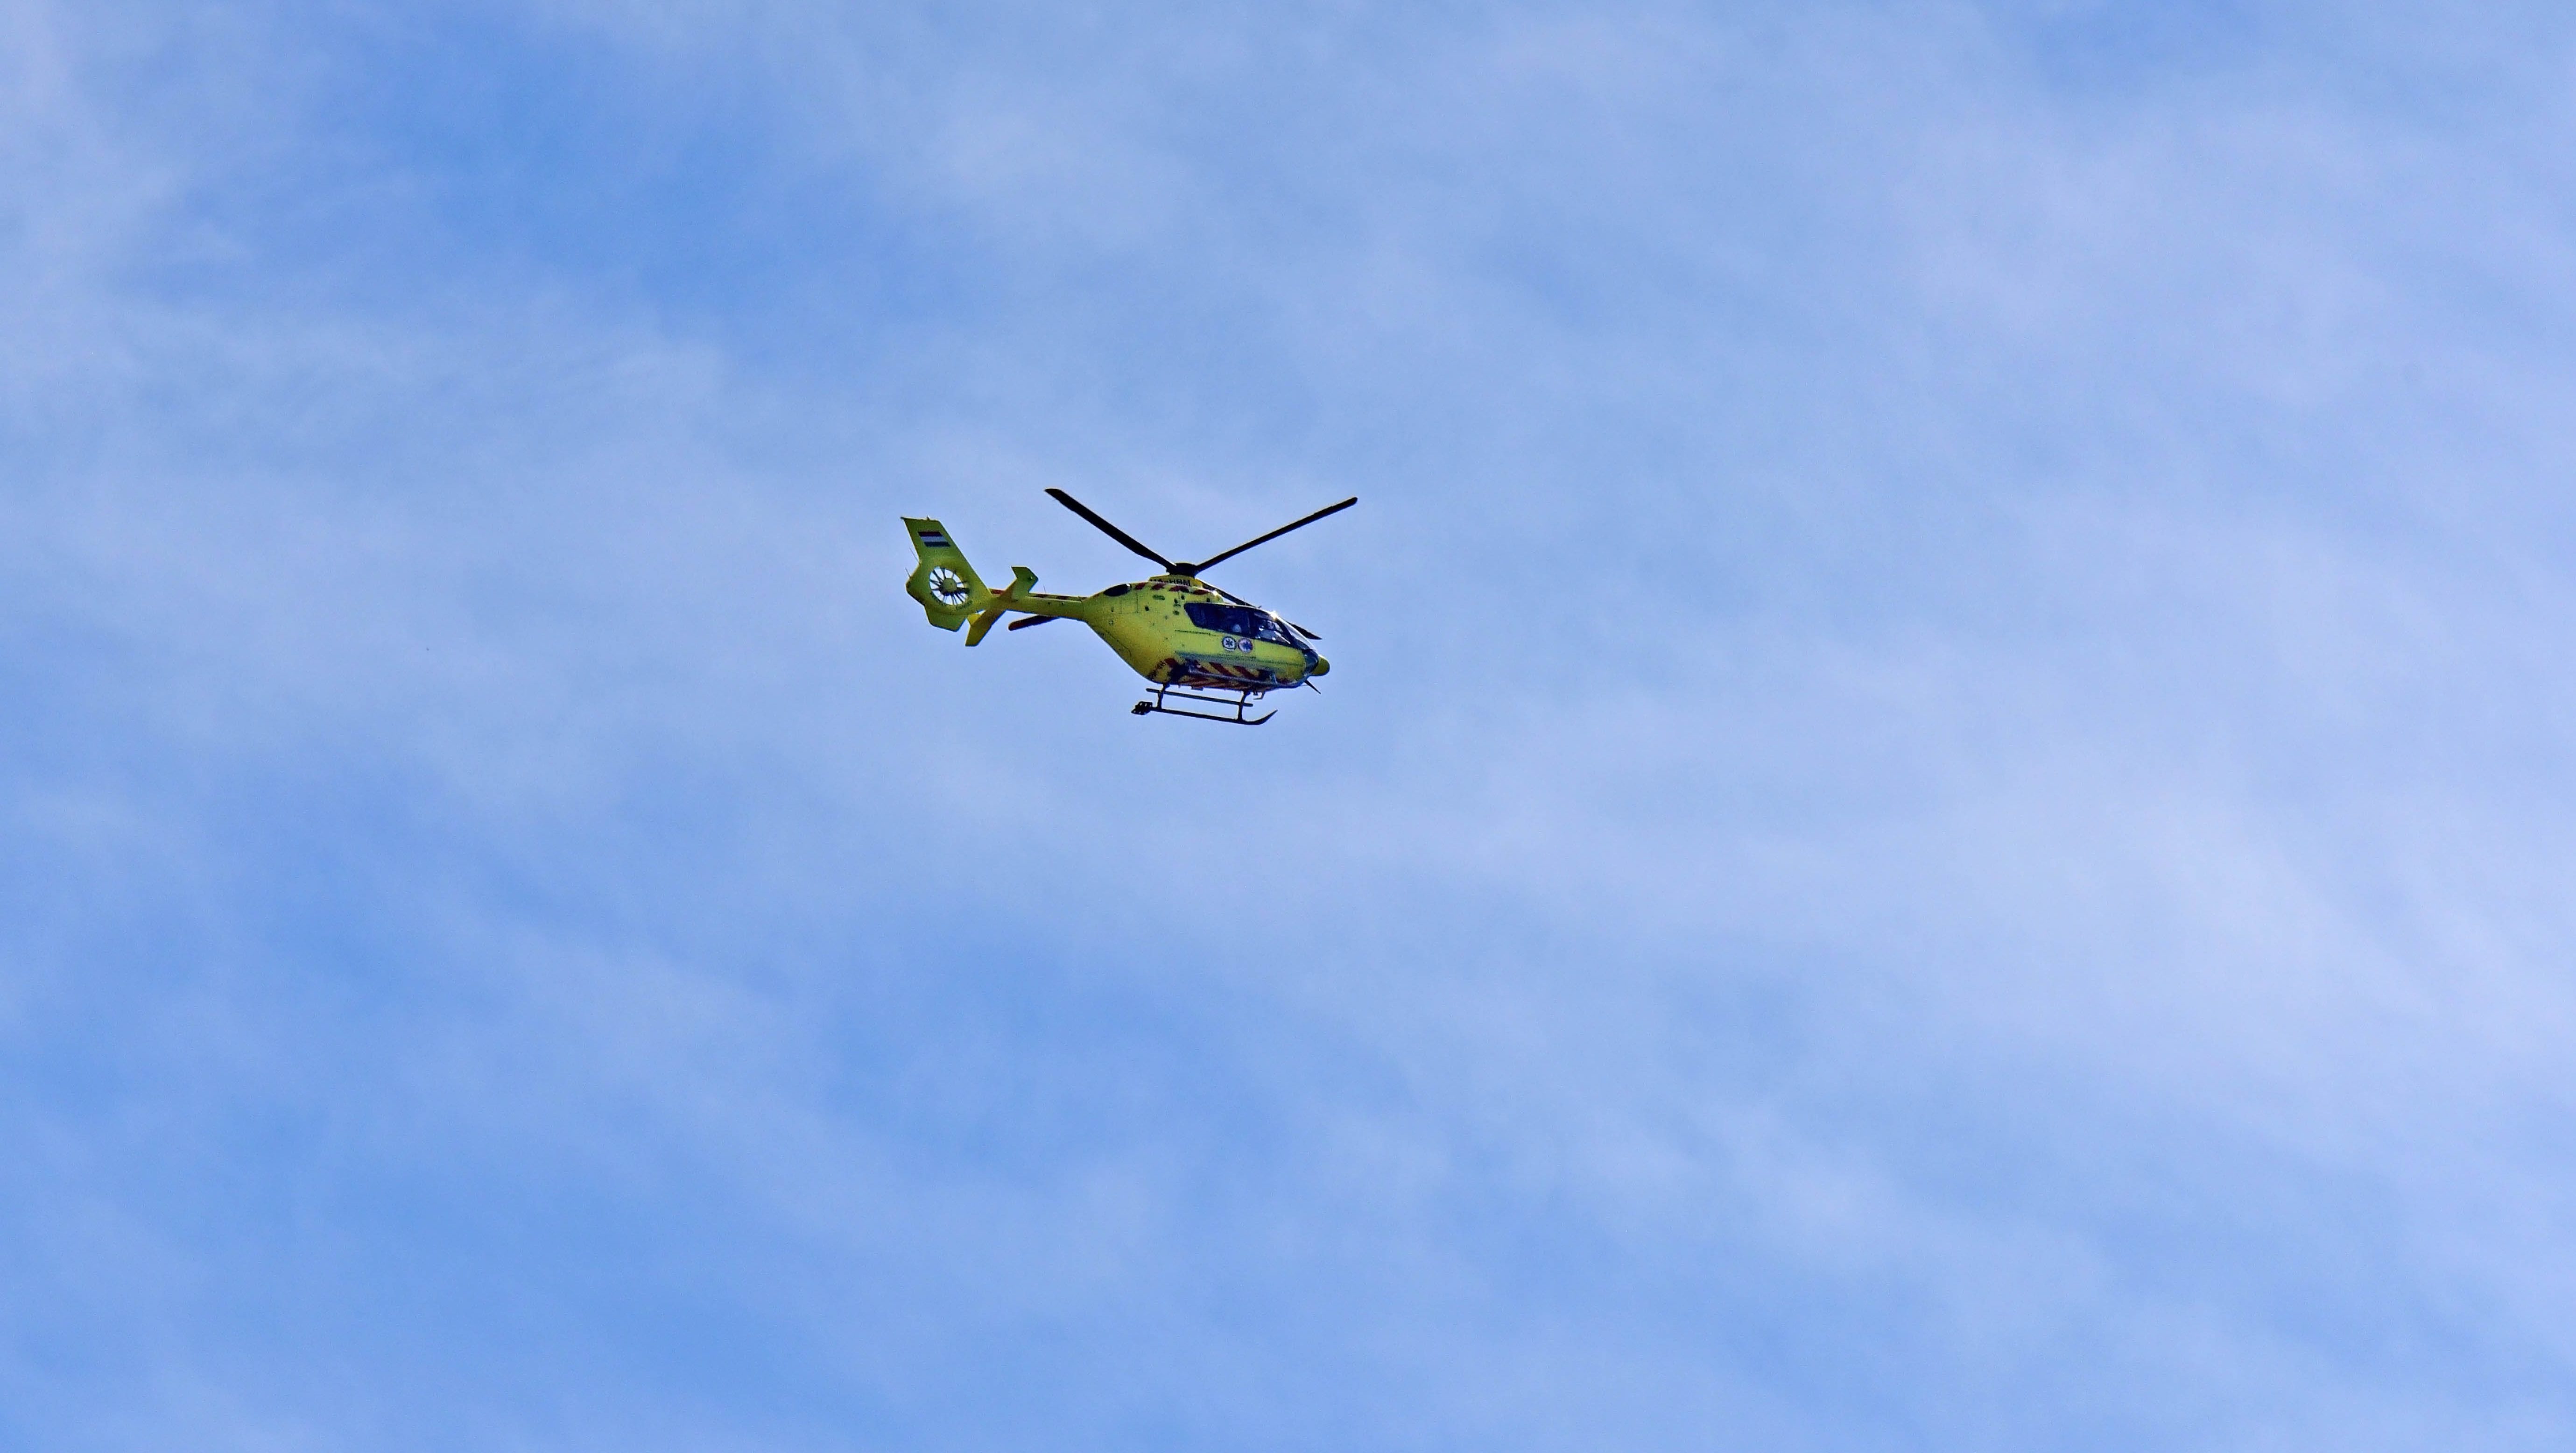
(1227, 618)
(1237, 620)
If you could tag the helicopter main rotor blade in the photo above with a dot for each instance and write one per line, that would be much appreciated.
(1112, 531)
(1273, 535)
(1024, 622)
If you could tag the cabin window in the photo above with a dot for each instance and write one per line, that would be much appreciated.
(1237, 620)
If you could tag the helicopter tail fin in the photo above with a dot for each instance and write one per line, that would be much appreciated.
(947, 587)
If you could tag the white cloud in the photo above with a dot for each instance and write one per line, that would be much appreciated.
(1936, 819)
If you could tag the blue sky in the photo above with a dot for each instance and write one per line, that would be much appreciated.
(1942, 819)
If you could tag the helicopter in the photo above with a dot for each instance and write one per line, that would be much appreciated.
(1198, 645)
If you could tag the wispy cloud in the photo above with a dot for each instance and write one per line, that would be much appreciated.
(1937, 821)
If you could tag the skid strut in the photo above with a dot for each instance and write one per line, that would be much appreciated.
(1233, 703)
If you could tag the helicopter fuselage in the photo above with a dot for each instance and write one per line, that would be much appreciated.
(1174, 630)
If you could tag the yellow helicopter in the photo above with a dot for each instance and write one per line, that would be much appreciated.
(1198, 645)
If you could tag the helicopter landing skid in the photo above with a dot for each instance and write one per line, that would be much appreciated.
(1235, 703)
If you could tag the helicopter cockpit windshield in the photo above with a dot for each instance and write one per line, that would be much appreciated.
(1242, 621)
